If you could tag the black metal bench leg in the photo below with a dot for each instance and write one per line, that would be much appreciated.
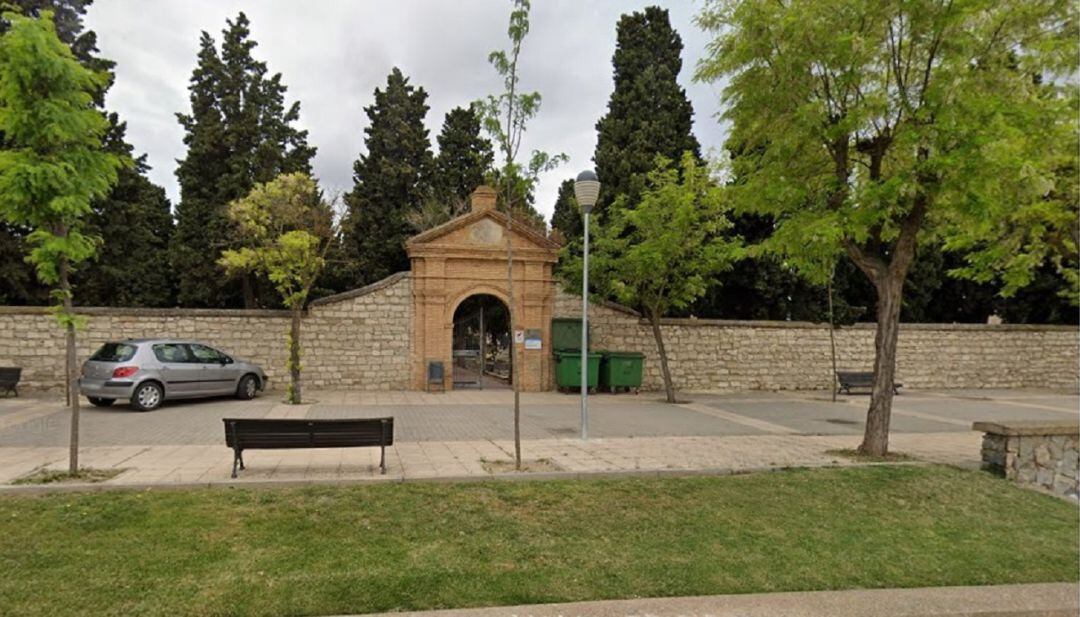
(382, 460)
(236, 459)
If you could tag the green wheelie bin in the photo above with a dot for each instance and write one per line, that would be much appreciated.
(566, 333)
(621, 369)
(568, 369)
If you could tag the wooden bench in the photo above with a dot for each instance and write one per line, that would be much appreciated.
(9, 379)
(264, 434)
(860, 379)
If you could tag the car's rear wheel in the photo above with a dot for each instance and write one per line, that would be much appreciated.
(247, 388)
(100, 402)
(148, 395)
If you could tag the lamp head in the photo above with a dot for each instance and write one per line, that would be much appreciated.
(586, 190)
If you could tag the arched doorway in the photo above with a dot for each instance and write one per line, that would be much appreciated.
(467, 256)
(481, 343)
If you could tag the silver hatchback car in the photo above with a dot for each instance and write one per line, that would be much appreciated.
(147, 372)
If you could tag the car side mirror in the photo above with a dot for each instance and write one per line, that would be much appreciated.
(226, 360)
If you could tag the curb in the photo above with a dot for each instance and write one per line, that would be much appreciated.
(1028, 600)
(546, 476)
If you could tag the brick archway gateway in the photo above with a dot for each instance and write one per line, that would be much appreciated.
(465, 257)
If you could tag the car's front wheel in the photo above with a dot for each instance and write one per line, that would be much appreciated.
(147, 396)
(247, 388)
(100, 402)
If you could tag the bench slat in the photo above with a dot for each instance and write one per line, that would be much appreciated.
(270, 433)
(859, 379)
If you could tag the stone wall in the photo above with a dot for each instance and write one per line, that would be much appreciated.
(30, 337)
(1040, 454)
(361, 340)
(707, 354)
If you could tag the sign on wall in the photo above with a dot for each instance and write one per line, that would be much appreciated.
(532, 339)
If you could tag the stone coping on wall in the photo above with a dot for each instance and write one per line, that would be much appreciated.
(808, 325)
(148, 312)
(363, 291)
(1028, 427)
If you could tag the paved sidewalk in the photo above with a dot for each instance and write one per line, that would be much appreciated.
(464, 434)
(471, 459)
(1037, 600)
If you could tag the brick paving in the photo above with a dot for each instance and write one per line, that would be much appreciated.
(457, 434)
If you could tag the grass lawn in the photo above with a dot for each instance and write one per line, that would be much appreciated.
(325, 550)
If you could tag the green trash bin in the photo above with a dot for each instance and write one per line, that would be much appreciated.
(568, 369)
(621, 369)
(566, 333)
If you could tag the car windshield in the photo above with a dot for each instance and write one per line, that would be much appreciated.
(114, 352)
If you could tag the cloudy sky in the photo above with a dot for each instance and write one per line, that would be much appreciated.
(334, 53)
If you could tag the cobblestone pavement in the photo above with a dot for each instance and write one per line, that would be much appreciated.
(460, 433)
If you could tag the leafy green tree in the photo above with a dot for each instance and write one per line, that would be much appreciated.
(1024, 235)
(521, 200)
(287, 229)
(18, 284)
(52, 164)
(391, 179)
(661, 254)
(465, 157)
(67, 16)
(648, 113)
(505, 117)
(131, 266)
(872, 124)
(239, 133)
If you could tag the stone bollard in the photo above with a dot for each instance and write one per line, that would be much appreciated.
(1043, 454)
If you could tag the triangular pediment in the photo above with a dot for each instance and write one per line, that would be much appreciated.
(484, 229)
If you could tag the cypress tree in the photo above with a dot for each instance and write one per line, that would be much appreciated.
(201, 227)
(648, 113)
(18, 285)
(464, 158)
(391, 179)
(239, 133)
(567, 215)
(135, 221)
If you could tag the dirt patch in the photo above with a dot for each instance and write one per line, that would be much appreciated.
(890, 457)
(55, 476)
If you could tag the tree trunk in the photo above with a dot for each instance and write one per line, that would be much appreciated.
(889, 295)
(71, 368)
(669, 387)
(515, 357)
(295, 396)
(832, 339)
(248, 287)
(515, 371)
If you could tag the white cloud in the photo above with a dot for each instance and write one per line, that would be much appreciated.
(333, 54)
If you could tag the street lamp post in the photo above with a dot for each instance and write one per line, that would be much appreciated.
(586, 189)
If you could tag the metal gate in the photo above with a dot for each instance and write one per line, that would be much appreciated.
(469, 350)
(473, 354)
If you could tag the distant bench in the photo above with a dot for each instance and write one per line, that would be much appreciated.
(270, 434)
(860, 379)
(9, 379)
